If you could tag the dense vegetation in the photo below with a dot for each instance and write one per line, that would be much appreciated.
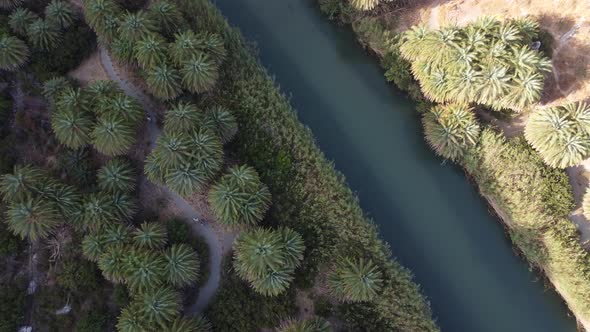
(534, 199)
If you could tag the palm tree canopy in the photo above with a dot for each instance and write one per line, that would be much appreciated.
(131, 319)
(165, 13)
(450, 130)
(182, 265)
(150, 51)
(223, 122)
(60, 13)
(560, 134)
(20, 19)
(33, 218)
(13, 53)
(365, 4)
(199, 324)
(183, 117)
(212, 46)
(52, 88)
(125, 205)
(99, 211)
(123, 50)
(93, 246)
(96, 12)
(185, 45)
(199, 74)
(150, 235)
(356, 280)
(240, 198)
(159, 307)
(136, 26)
(117, 175)
(43, 35)
(18, 185)
(314, 324)
(72, 127)
(112, 263)
(164, 81)
(113, 135)
(116, 235)
(144, 270)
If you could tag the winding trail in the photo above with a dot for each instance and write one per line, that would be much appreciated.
(186, 211)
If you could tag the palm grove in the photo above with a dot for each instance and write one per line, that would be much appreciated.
(174, 61)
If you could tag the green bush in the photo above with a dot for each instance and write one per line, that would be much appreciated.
(309, 195)
(178, 231)
(12, 307)
(95, 320)
(79, 275)
(237, 307)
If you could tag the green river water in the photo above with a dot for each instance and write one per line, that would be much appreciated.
(433, 218)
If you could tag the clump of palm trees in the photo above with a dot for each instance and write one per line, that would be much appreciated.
(267, 258)
(239, 198)
(487, 62)
(189, 153)
(450, 130)
(313, 324)
(37, 203)
(172, 62)
(42, 33)
(100, 114)
(560, 134)
(355, 280)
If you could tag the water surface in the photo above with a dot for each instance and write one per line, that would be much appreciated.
(434, 220)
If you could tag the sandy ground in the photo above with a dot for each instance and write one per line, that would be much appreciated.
(90, 70)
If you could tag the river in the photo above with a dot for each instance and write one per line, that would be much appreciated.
(433, 218)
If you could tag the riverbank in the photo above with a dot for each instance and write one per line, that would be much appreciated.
(309, 195)
(533, 200)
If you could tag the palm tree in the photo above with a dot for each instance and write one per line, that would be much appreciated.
(199, 74)
(185, 45)
(150, 51)
(153, 170)
(20, 19)
(365, 4)
(13, 53)
(450, 130)
(117, 175)
(9, 4)
(112, 135)
(100, 90)
(185, 179)
(23, 181)
(99, 211)
(59, 13)
(199, 324)
(32, 218)
(273, 282)
(213, 46)
(72, 127)
(131, 319)
(96, 12)
(67, 199)
(257, 252)
(150, 235)
(165, 13)
(164, 81)
(239, 198)
(116, 235)
(560, 134)
(172, 149)
(223, 122)
(183, 117)
(93, 246)
(182, 265)
(120, 104)
(144, 270)
(125, 205)
(43, 35)
(207, 152)
(356, 280)
(160, 306)
(314, 324)
(112, 263)
(52, 88)
(122, 50)
(294, 247)
(73, 99)
(109, 29)
(136, 26)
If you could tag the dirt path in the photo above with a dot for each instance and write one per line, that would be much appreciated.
(215, 240)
